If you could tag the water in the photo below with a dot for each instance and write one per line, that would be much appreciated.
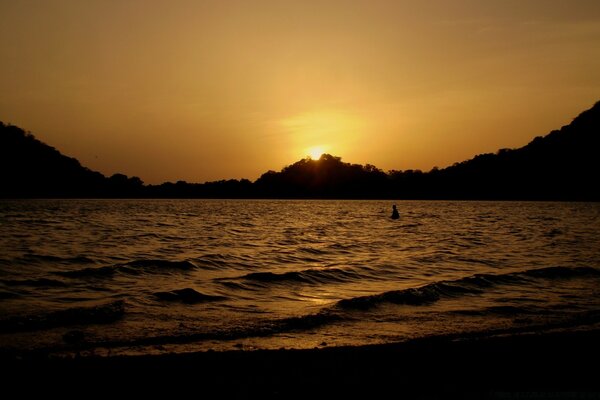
(155, 276)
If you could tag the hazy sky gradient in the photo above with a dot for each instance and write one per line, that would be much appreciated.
(207, 90)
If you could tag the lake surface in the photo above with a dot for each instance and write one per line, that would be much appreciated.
(155, 276)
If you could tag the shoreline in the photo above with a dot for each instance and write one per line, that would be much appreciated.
(432, 367)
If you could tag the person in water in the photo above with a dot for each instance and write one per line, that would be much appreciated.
(395, 214)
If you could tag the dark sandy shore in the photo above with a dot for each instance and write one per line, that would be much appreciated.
(533, 366)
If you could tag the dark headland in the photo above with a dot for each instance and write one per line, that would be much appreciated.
(559, 166)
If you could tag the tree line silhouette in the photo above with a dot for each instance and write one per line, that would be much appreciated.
(560, 166)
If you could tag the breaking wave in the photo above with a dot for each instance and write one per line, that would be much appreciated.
(187, 296)
(471, 285)
(133, 268)
(100, 314)
(310, 276)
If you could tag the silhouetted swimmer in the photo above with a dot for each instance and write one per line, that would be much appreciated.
(395, 213)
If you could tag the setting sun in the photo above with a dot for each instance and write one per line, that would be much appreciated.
(336, 131)
(315, 152)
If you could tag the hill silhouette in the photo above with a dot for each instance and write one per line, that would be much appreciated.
(30, 168)
(327, 177)
(559, 166)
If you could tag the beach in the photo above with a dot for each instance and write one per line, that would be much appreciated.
(550, 365)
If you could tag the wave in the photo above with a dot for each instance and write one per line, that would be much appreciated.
(137, 265)
(78, 340)
(8, 295)
(215, 261)
(134, 268)
(60, 260)
(425, 295)
(40, 282)
(335, 313)
(187, 296)
(475, 284)
(89, 272)
(100, 314)
(312, 250)
(262, 328)
(561, 272)
(310, 276)
(325, 317)
(496, 310)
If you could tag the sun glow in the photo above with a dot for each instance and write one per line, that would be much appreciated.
(335, 130)
(315, 152)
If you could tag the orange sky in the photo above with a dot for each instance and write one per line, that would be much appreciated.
(206, 90)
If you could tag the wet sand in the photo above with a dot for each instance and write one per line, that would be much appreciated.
(529, 366)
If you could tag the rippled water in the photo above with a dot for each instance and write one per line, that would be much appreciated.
(144, 276)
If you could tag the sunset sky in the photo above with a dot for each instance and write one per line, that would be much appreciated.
(207, 90)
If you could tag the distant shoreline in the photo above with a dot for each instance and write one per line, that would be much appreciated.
(560, 166)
